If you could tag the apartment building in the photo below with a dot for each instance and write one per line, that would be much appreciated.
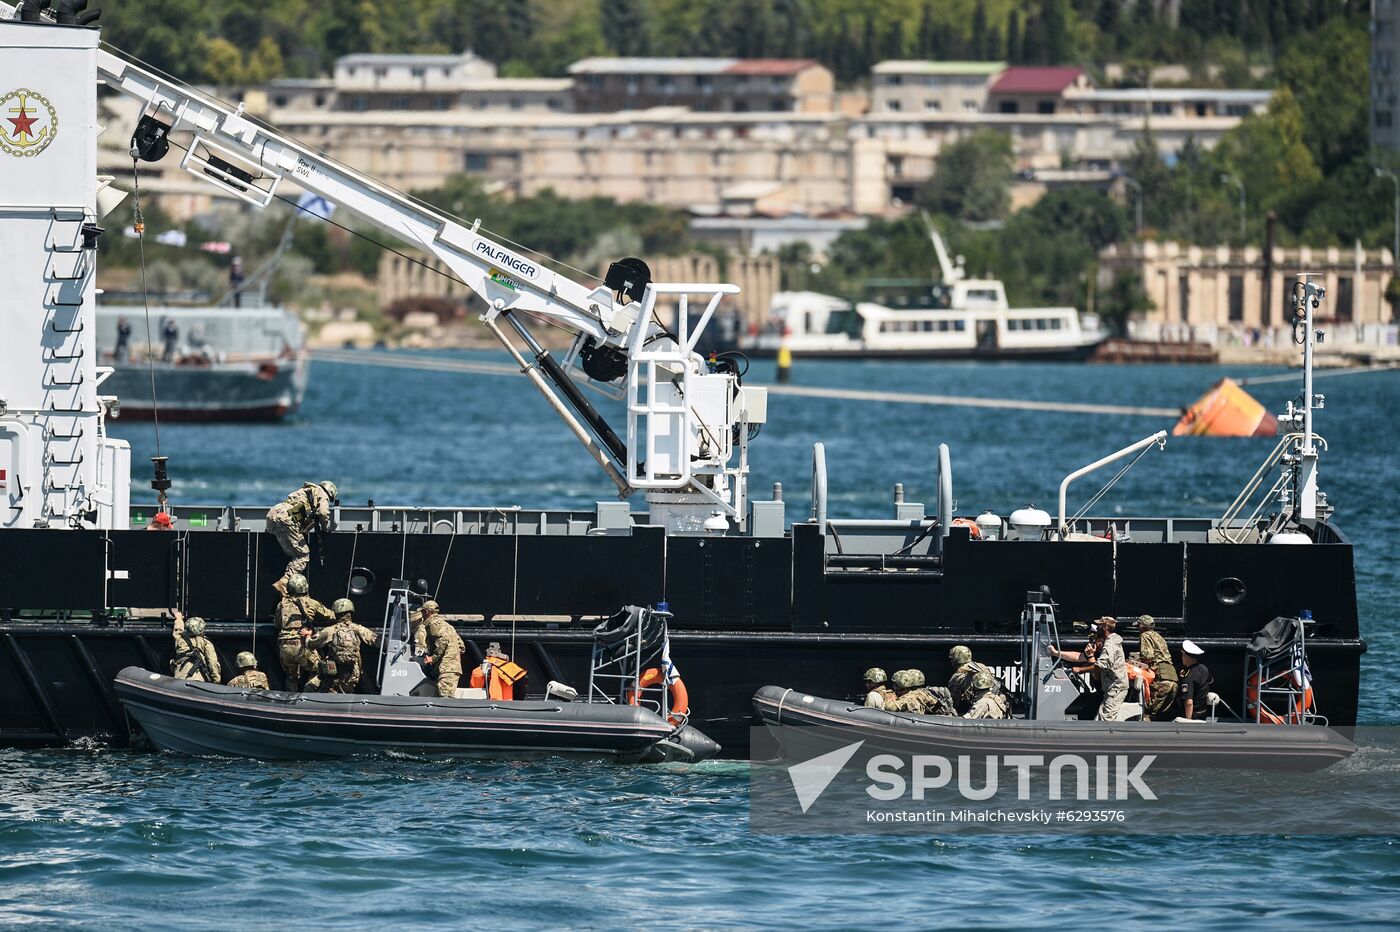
(720, 85)
(932, 86)
(1034, 90)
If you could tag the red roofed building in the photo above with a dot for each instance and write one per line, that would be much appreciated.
(1034, 90)
(721, 85)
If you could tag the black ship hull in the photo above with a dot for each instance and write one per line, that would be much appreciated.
(745, 609)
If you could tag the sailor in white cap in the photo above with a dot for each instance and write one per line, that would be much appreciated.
(1195, 682)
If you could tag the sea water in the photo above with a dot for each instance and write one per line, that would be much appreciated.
(120, 838)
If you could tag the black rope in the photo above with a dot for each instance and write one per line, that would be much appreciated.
(139, 224)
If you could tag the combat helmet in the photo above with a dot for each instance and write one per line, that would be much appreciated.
(1146, 623)
(875, 675)
(430, 607)
(245, 660)
(983, 681)
(908, 679)
(342, 607)
(297, 584)
(195, 626)
(329, 487)
(960, 655)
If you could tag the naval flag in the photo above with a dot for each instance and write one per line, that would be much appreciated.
(316, 205)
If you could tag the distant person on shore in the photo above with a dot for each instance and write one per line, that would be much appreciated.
(195, 658)
(170, 333)
(122, 351)
(341, 644)
(305, 510)
(248, 676)
(235, 280)
(440, 646)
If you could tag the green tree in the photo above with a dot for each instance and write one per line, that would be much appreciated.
(1328, 73)
(972, 180)
(222, 62)
(264, 62)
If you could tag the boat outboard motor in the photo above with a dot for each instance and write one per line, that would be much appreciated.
(1050, 687)
(399, 673)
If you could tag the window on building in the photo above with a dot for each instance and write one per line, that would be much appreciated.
(634, 84)
(778, 104)
(971, 106)
(896, 165)
(1008, 106)
(517, 104)
(1344, 298)
(706, 83)
(381, 72)
(932, 105)
(441, 103)
(1236, 298)
(359, 102)
(419, 72)
(892, 105)
(1237, 110)
(1183, 298)
(477, 161)
(1383, 118)
(894, 79)
(667, 83)
(741, 106)
(1200, 110)
(320, 100)
(1161, 108)
(279, 101)
(398, 103)
(1045, 106)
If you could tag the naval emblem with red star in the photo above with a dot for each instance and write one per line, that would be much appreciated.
(28, 123)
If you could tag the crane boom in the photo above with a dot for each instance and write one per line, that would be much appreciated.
(688, 419)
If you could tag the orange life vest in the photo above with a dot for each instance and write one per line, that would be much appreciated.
(504, 675)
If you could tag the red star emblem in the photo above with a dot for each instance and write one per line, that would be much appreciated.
(22, 122)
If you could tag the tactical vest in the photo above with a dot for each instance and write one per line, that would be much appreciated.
(345, 645)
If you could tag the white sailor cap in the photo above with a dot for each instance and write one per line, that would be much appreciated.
(1190, 647)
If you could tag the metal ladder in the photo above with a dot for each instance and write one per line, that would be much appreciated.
(67, 270)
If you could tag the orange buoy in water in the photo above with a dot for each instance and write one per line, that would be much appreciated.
(1227, 410)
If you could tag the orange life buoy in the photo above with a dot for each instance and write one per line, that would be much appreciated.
(680, 697)
(973, 530)
(1137, 670)
(1297, 712)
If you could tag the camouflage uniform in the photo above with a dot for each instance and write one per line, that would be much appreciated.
(1152, 648)
(290, 521)
(960, 692)
(195, 658)
(435, 637)
(881, 697)
(988, 701)
(250, 679)
(1113, 678)
(921, 700)
(292, 614)
(342, 642)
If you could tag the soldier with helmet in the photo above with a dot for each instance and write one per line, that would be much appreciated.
(340, 645)
(305, 510)
(988, 701)
(961, 692)
(1160, 704)
(876, 689)
(913, 696)
(440, 646)
(195, 658)
(249, 676)
(296, 613)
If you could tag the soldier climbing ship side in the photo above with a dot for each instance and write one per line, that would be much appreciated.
(752, 585)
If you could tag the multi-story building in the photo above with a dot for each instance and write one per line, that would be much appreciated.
(367, 83)
(1172, 102)
(1203, 292)
(932, 86)
(724, 85)
(1035, 90)
(1385, 82)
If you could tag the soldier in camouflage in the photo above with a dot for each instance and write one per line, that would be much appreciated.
(876, 689)
(249, 677)
(295, 612)
(195, 657)
(305, 510)
(1152, 649)
(913, 696)
(340, 645)
(439, 641)
(965, 670)
(988, 701)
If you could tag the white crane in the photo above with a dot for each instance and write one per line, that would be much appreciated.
(688, 419)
